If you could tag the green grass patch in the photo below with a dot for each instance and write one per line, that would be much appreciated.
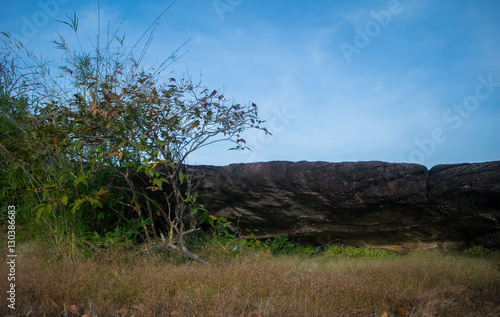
(354, 252)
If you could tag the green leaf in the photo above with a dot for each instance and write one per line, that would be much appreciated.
(77, 205)
(64, 200)
(210, 221)
(181, 177)
(73, 21)
(208, 116)
(39, 209)
(81, 179)
(205, 218)
(48, 209)
(94, 202)
(159, 182)
(45, 208)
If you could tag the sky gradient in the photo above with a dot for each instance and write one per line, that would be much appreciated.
(396, 81)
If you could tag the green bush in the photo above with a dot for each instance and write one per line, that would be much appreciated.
(281, 245)
(353, 252)
(477, 251)
(309, 250)
(99, 137)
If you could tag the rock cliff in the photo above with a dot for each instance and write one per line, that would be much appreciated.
(399, 206)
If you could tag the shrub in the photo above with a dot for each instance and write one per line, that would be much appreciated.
(281, 245)
(353, 252)
(99, 135)
(477, 251)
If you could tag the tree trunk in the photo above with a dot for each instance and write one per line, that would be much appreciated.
(186, 253)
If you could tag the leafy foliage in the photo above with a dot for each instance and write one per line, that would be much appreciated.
(353, 252)
(281, 245)
(478, 251)
(253, 242)
(104, 141)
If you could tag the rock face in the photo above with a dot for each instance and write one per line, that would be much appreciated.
(373, 203)
(466, 198)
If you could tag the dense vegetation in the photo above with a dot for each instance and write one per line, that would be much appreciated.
(98, 150)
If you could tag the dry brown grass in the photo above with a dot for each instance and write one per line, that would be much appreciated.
(258, 284)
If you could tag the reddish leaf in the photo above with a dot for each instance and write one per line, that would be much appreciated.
(92, 94)
(195, 124)
(213, 93)
(73, 309)
(101, 192)
(93, 106)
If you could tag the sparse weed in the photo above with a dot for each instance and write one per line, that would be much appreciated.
(353, 252)
(253, 242)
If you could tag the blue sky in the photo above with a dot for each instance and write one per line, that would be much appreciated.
(396, 81)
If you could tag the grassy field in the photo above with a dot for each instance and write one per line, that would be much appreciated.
(130, 282)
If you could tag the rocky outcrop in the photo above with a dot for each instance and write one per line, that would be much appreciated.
(372, 203)
(465, 199)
